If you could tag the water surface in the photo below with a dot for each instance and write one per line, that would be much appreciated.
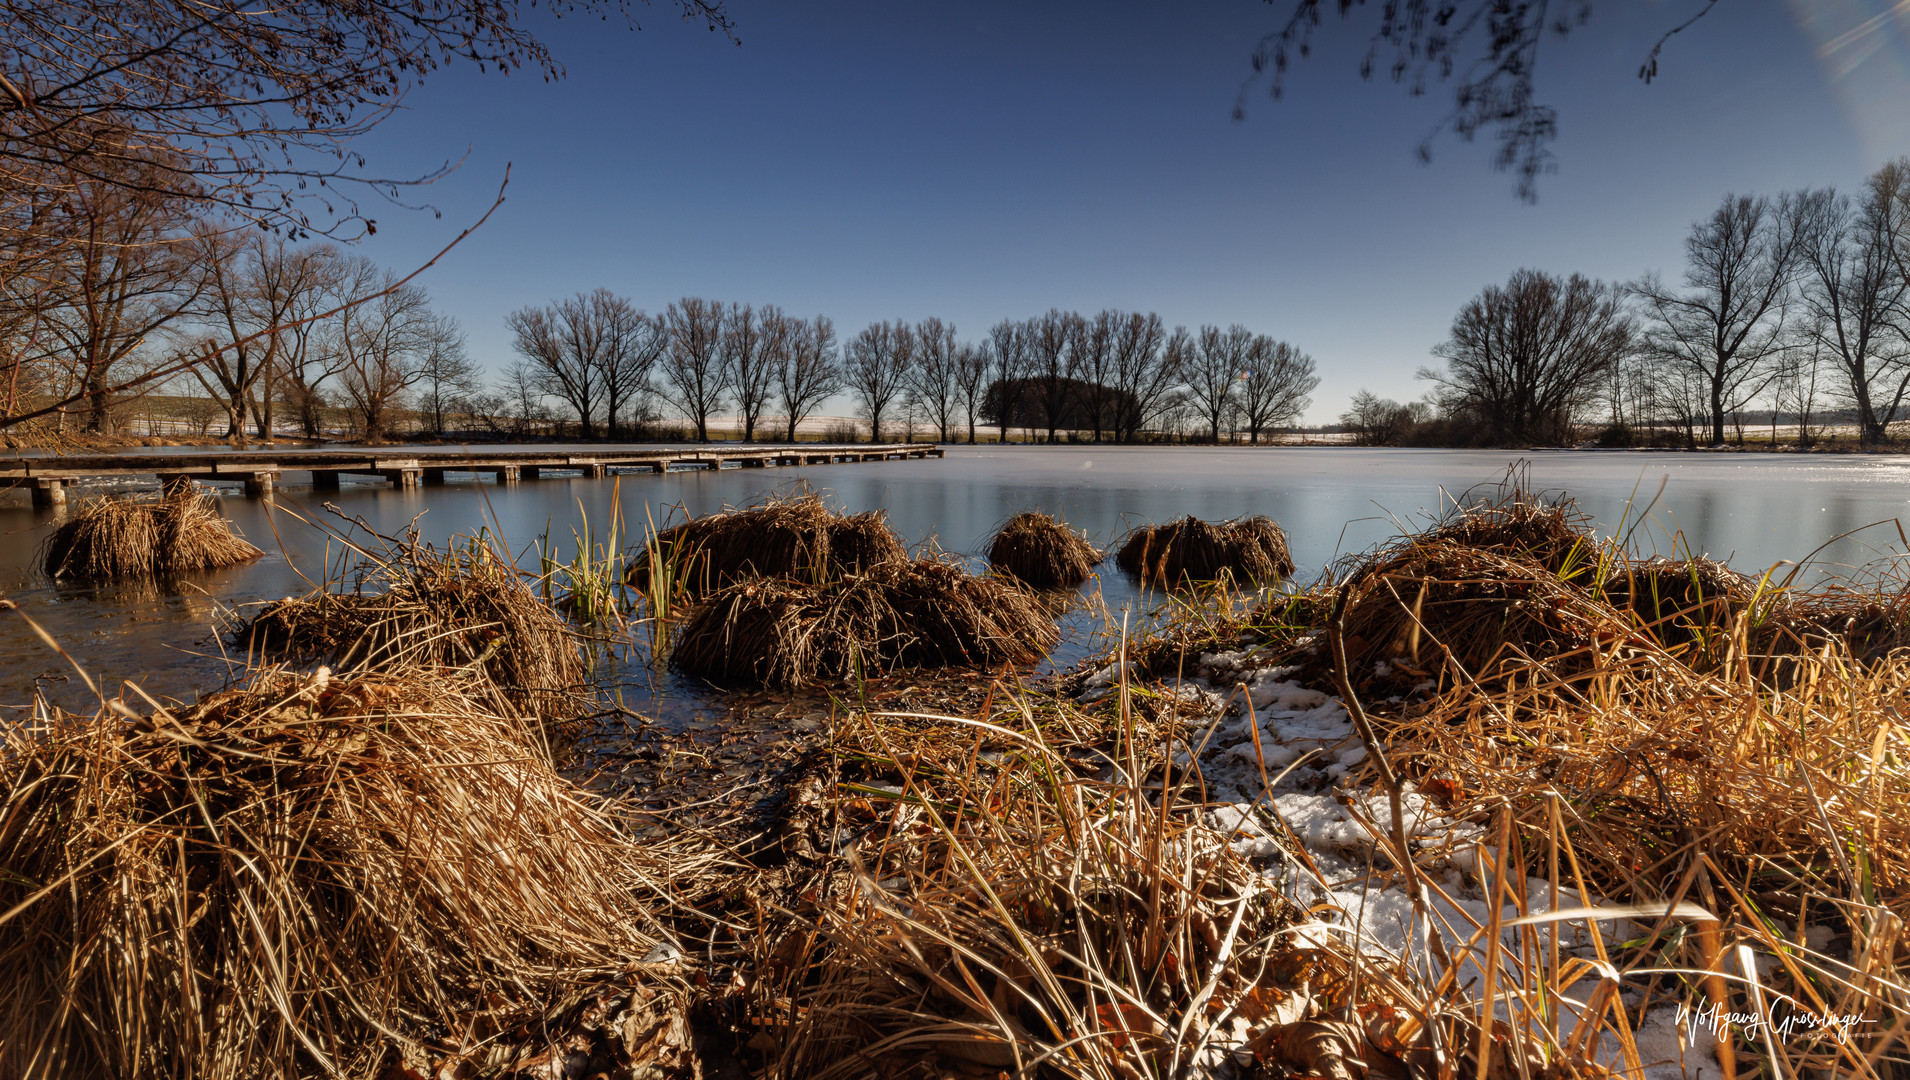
(1754, 510)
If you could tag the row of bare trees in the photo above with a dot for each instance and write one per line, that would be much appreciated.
(608, 360)
(1791, 305)
(1109, 376)
(113, 287)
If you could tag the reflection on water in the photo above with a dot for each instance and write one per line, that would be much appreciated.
(1752, 509)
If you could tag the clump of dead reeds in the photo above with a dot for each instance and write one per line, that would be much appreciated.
(1042, 551)
(1783, 813)
(1688, 606)
(798, 537)
(1518, 525)
(1438, 611)
(112, 538)
(1247, 549)
(897, 614)
(1008, 913)
(311, 876)
(415, 606)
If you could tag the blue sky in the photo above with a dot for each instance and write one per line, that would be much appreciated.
(981, 160)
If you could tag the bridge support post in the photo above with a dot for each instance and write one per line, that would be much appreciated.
(325, 479)
(48, 492)
(404, 479)
(755, 463)
(506, 474)
(259, 485)
(596, 472)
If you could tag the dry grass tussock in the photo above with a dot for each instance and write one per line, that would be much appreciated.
(1784, 811)
(1041, 551)
(415, 606)
(1518, 525)
(1522, 589)
(1017, 908)
(797, 536)
(112, 538)
(903, 613)
(358, 876)
(1246, 549)
(1436, 610)
(1651, 732)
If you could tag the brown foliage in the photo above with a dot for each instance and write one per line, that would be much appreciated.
(896, 614)
(1251, 548)
(418, 607)
(798, 537)
(113, 538)
(1043, 552)
(307, 876)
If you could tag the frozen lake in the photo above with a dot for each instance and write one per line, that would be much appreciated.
(1754, 510)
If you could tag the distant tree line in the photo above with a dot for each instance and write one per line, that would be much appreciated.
(1110, 377)
(1794, 305)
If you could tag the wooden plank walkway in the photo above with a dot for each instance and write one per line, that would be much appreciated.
(409, 466)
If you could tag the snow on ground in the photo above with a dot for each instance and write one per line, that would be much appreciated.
(1274, 755)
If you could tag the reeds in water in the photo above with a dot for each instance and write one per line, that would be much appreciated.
(113, 538)
(797, 536)
(1041, 551)
(415, 606)
(1250, 549)
(901, 613)
(311, 876)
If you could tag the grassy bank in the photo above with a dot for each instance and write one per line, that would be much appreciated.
(1588, 788)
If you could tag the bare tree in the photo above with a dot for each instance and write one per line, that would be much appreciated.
(1211, 373)
(564, 343)
(1799, 383)
(1378, 421)
(634, 343)
(251, 108)
(1857, 293)
(1051, 357)
(876, 369)
(972, 365)
(693, 364)
(1276, 387)
(256, 289)
(1008, 362)
(1727, 324)
(385, 345)
(1093, 350)
(127, 276)
(1143, 376)
(934, 374)
(446, 376)
(810, 372)
(1525, 357)
(306, 357)
(749, 376)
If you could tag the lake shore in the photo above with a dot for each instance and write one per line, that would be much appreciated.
(1281, 826)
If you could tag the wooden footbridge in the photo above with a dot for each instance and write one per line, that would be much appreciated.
(261, 471)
